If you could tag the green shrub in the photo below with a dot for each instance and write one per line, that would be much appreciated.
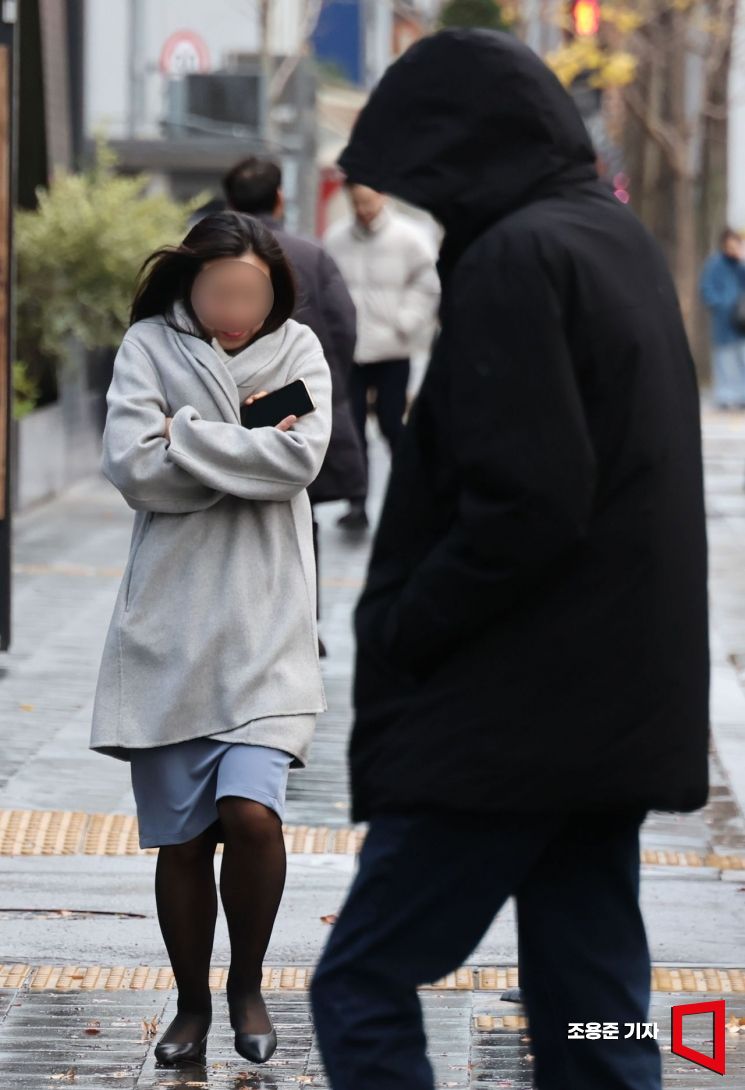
(25, 391)
(476, 13)
(79, 252)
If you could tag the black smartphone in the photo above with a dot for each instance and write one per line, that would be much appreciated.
(266, 412)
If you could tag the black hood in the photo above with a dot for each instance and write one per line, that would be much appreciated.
(469, 125)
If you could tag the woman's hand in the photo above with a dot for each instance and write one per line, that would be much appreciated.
(284, 425)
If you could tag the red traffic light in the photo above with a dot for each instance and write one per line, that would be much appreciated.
(585, 17)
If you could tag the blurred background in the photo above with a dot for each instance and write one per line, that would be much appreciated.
(119, 118)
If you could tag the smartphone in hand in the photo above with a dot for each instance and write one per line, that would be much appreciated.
(266, 412)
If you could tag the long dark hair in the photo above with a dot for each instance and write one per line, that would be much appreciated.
(167, 276)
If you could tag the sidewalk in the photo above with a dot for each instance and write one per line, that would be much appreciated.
(79, 941)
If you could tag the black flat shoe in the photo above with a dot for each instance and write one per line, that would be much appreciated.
(174, 1055)
(256, 1047)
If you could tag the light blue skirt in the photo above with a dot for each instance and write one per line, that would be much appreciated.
(176, 787)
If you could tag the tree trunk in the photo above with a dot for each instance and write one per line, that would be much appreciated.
(712, 203)
(685, 263)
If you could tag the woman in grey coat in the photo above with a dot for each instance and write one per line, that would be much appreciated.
(210, 682)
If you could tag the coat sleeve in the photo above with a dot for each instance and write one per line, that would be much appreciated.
(421, 292)
(525, 461)
(133, 455)
(339, 313)
(258, 463)
(712, 286)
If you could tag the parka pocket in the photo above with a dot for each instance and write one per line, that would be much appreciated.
(133, 559)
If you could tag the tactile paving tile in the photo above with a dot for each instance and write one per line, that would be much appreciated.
(684, 979)
(66, 832)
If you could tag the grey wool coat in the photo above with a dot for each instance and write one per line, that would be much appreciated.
(214, 624)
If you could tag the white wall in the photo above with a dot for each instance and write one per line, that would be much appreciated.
(105, 72)
(226, 26)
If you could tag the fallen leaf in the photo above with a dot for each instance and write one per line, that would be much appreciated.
(93, 1028)
(331, 918)
(67, 1076)
(149, 1028)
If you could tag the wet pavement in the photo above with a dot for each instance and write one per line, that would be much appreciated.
(476, 1040)
(91, 910)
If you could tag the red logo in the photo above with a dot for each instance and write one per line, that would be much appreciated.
(716, 1009)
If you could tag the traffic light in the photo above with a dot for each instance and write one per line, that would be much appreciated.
(585, 18)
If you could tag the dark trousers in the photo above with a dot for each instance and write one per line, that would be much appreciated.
(426, 890)
(389, 379)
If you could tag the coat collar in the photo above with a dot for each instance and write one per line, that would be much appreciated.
(383, 218)
(248, 368)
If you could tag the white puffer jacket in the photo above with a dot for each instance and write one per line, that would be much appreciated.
(390, 271)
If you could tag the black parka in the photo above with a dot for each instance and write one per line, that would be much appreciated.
(532, 635)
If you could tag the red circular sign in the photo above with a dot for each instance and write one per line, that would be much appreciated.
(183, 53)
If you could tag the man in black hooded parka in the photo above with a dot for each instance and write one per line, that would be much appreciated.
(532, 651)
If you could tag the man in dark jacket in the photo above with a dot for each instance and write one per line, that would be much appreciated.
(532, 663)
(324, 303)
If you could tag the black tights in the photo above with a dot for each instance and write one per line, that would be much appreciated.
(252, 879)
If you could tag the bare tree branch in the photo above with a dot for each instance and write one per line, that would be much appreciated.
(281, 77)
(657, 130)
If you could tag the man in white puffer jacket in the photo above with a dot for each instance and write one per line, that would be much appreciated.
(388, 263)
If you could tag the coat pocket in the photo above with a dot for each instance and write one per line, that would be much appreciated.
(133, 559)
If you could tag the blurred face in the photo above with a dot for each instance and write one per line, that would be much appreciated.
(732, 247)
(232, 298)
(366, 203)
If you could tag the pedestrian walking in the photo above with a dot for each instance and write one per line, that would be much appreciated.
(723, 291)
(254, 186)
(210, 682)
(389, 266)
(532, 649)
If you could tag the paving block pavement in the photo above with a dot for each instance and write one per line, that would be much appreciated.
(76, 905)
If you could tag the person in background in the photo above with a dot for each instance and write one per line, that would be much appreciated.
(209, 208)
(254, 186)
(389, 265)
(722, 287)
(532, 664)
